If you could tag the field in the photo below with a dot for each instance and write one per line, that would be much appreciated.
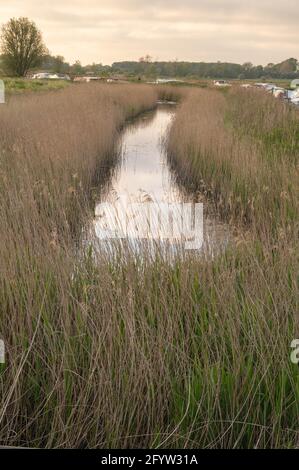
(117, 352)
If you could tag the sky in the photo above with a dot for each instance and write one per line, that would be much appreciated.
(106, 31)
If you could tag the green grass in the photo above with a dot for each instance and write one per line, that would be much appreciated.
(20, 85)
(273, 124)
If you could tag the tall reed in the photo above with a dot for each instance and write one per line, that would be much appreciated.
(126, 352)
(242, 149)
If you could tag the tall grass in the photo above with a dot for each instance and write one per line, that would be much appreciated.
(56, 146)
(126, 352)
(242, 150)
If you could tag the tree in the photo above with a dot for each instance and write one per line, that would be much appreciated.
(147, 59)
(247, 66)
(77, 68)
(22, 45)
(58, 64)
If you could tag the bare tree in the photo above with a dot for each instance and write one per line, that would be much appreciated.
(22, 45)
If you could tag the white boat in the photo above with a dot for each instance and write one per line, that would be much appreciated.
(221, 83)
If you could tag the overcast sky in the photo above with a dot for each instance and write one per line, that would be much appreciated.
(259, 31)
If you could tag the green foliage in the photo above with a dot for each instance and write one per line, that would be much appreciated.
(19, 85)
(21, 45)
(287, 69)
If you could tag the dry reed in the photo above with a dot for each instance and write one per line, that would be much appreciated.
(104, 353)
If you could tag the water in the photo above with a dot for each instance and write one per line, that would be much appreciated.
(143, 190)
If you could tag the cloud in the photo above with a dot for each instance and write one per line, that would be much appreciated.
(110, 30)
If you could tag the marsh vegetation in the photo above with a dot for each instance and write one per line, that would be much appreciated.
(130, 352)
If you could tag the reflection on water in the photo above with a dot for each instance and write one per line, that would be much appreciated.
(143, 173)
(143, 176)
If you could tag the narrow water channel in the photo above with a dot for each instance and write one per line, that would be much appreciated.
(143, 178)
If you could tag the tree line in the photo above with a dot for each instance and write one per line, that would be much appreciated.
(286, 69)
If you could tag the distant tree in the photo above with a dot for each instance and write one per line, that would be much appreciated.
(77, 68)
(94, 68)
(147, 59)
(22, 45)
(55, 64)
(287, 66)
(247, 65)
(59, 64)
(286, 69)
(97, 69)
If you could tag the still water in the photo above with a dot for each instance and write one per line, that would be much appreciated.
(142, 188)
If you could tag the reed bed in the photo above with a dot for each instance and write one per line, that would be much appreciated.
(56, 146)
(241, 150)
(127, 352)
